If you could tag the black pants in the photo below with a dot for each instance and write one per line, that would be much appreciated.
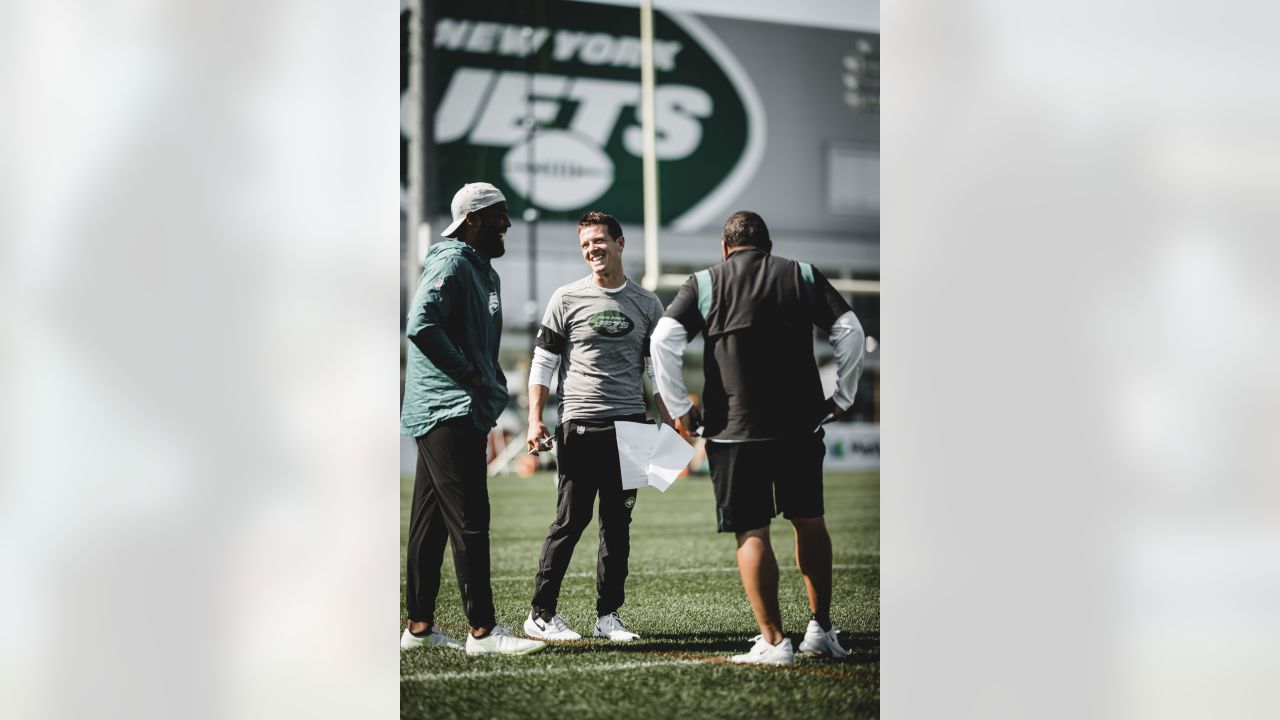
(588, 463)
(450, 502)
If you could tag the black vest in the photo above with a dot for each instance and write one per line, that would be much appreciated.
(761, 377)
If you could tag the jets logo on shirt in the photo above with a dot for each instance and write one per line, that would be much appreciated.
(493, 302)
(611, 323)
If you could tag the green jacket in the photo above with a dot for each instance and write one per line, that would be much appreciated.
(455, 325)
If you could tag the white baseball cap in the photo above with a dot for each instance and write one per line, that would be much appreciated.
(472, 197)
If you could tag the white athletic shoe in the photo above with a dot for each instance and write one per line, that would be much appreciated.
(817, 642)
(610, 626)
(500, 641)
(554, 629)
(762, 653)
(435, 638)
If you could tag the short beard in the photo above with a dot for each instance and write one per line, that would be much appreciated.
(489, 242)
(491, 248)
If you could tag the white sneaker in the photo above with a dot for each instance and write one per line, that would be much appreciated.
(762, 653)
(817, 642)
(554, 629)
(610, 626)
(500, 641)
(435, 638)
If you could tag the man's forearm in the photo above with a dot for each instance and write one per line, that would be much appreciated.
(662, 409)
(444, 354)
(537, 399)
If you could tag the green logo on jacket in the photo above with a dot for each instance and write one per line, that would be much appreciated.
(611, 323)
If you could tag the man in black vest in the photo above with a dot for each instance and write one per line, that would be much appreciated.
(764, 411)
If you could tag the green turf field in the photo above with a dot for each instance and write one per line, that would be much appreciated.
(685, 600)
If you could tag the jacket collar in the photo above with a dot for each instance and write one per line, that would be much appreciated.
(455, 245)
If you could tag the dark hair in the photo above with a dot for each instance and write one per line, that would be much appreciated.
(746, 228)
(595, 217)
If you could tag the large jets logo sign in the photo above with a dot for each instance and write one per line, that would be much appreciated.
(573, 70)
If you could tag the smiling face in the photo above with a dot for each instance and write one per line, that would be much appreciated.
(601, 252)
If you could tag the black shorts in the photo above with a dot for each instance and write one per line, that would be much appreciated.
(749, 476)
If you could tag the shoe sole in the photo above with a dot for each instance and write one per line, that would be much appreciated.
(530, 651)
(425, 646)
(821, 653)
(606, 637)
(537, 635)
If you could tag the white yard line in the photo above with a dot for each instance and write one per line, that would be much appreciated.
(677, 571)
(541, 671)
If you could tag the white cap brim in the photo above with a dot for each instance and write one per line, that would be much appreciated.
(453, 226)
(474, 197)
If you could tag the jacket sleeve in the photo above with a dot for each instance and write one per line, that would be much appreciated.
(436, 297)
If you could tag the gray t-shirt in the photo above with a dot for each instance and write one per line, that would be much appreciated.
(602, 338)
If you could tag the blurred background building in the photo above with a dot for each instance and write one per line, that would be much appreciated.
(757, 107)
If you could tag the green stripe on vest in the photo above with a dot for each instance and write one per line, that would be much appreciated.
(806, 272)
(703, 278)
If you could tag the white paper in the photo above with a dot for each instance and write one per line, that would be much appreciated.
(650, 457)
(635, 446)
(671, 455)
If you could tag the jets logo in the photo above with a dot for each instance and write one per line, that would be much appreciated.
(493, 302)
(611, 323)
(573, 69)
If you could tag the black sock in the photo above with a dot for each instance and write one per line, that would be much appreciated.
(824, 623)
(424, 633)
(543, 615)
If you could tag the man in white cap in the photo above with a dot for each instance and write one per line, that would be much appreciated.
(454, 391)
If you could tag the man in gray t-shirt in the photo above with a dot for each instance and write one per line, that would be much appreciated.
(605, 340)
(597, 330)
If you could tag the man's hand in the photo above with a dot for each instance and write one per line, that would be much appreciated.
(474, 380)
(689, 423)
(538, 437)
(837, 413)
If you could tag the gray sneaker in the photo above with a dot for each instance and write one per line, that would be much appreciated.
(610, 626)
